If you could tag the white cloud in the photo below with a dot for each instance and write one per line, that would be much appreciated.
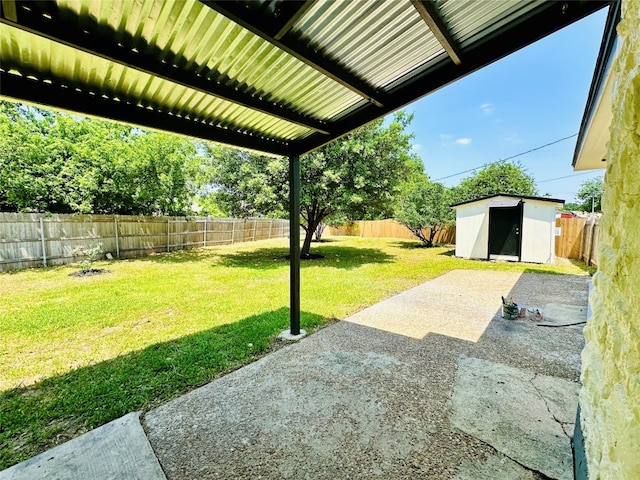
(416, 146)
(513, 139)
(487, 108)
(463, 141)
(445, 138)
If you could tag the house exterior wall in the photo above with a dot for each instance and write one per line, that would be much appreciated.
(610, 397)
(472, 230)
(538, 230)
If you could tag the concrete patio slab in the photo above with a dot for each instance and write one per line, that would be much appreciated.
(459, 304)
(369, 399)
(563, 314)
(494, 467)
(525, 416)
(117, 450)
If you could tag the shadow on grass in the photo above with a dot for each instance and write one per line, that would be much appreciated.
(335, 256)
(583, 266)
(324, 240)
(408, 244)
(413, 244)
(177, 256)
(36, 418)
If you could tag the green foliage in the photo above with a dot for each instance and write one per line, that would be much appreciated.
(590, 191)
(357, 176)
(243, 184)
(425, 205)
(51, 162)
(500, 177)
(571, 206)
(90, 256)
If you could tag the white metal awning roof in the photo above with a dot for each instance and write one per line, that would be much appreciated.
(271, 75)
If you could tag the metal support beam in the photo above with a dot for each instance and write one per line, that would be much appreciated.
(259, 25)
(294, 245)
(27, 90)
(295, 10)
(429, 14)
(550, 17)
(144, 59)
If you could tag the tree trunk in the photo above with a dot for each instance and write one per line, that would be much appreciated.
(315, 216)
(320, 230)
(420, 234)
(308, 237)
(432, 235)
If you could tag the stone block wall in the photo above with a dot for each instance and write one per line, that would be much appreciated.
(610, 398)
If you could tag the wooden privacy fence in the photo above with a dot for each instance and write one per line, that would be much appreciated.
(578, 239)
(28, 240)
(388, 229)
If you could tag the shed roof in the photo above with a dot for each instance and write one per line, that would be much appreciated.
(275, 76)
(508, 195)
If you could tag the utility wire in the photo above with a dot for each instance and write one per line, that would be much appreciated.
(508, 158)
(566, 176)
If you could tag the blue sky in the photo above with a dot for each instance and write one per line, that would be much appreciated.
(530, 98)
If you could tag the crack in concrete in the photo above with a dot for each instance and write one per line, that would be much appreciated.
(526, 467)
(546, 404)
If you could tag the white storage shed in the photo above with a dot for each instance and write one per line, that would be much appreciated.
(507, 227)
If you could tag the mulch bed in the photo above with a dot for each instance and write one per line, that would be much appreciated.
(89, 273)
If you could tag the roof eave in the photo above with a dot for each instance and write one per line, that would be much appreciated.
(591, 149)
(509, 195)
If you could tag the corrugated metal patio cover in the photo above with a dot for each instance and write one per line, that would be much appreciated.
(276, 76)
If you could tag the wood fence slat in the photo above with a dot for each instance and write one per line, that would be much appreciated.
(388, 228)
(121, 235)
(578, 239)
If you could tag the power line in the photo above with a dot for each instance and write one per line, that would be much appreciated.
(508, 158)
(566, 176)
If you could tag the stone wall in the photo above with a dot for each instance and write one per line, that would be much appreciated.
(610, 398)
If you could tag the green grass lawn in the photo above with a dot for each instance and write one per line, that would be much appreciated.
(77, 352)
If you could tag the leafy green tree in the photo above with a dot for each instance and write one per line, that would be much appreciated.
(499, 177)
(424, 205)
(57, 163)
(571, 206)
(357, 176)
(590, 195)
(243, 184)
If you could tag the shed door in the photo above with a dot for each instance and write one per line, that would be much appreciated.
(505, 226)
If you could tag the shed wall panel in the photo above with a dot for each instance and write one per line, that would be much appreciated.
(472, 231)
(538, 232)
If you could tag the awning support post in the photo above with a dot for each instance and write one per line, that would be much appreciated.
(294, 244)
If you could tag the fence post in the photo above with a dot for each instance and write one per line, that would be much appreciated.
(44, 248)
(233, 230)
(168, 225)
(270, 227)
(593, 231)
(204, 243)
(253, 236)
(115, 221)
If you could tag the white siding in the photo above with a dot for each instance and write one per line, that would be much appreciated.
(472, 230)
(538, 230)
